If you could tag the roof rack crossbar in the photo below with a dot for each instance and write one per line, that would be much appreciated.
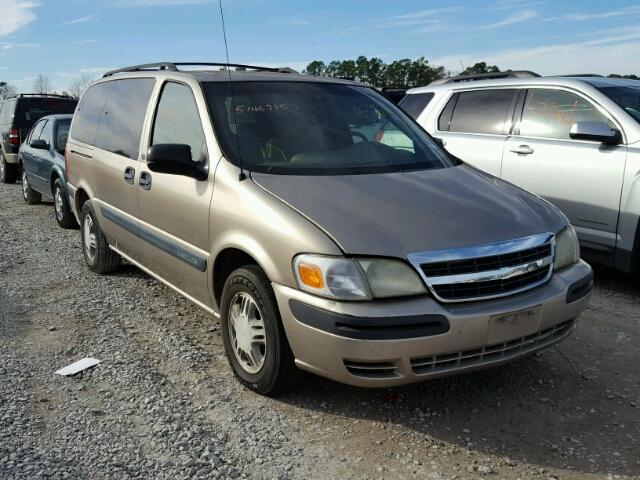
(486, 76)
(173, 66)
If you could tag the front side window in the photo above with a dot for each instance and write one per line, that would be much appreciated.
(307, 128)
(123, 117)
(626, 97)
(36, 131)
(551, 113)
(482, 111)
(47, 132)
(177, 120)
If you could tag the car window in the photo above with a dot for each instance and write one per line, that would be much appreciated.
(62, 133)
(625, 97)
(481, 111)
(415, 104)
(309, 128)
(84, 127)
(177, 120)
(30, 110)
(551, 113)
(120, 130)
(47, 132)
(35, 132)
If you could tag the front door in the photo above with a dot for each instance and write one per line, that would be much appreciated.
(174, 209)
(582, 178)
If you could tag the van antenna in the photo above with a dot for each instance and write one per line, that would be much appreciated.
(233, 103)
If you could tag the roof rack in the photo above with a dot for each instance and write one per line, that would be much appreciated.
(173, 67)
(55, 95)
(486, 76)
(580, 75)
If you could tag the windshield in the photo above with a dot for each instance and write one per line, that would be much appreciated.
(626, 97)
(305, 128)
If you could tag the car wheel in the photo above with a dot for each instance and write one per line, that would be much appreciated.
(254, 339)
(8, 171)
(29, 194)
(64, 215)
(99, 257)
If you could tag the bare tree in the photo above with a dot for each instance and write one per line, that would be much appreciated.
(7, 90)
(79, 85)
(42, 84)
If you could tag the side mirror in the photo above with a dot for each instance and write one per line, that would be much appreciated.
(39, 144)
(595, 131)
(175, 159)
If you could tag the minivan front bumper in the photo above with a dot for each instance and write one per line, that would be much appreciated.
(394, 342)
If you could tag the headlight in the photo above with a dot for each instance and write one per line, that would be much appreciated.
(567, 248)
(355, 279)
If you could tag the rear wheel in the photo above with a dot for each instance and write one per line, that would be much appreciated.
(29, 194)
(254, 339)
(63, 213)
(8, 171)
(99, 257)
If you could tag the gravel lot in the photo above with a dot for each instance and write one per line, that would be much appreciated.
(163, 404)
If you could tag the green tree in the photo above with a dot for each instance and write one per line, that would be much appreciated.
(629, 77)
(316, 67)
(480, 67)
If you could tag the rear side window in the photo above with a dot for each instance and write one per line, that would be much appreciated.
(62, 133)
(482, 111)
(123, 118)
(177, 120)
(551, 113)
(7, 111)
(415, 104)
(85, 123)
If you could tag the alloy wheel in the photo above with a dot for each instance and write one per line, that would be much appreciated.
(25, 185)
(58, 201)
(247, 332)
(89, 234)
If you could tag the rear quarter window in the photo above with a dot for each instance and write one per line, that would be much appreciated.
(85, 123)
(414, 104)
(120, 130)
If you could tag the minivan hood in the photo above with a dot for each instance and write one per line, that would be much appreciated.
(395, 214)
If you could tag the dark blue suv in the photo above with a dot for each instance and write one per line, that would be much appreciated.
(42, 163)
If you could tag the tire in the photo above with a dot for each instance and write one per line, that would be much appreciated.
(8, 171)
(276, 373)
(29, 194)
(99, 257)
(61, 210)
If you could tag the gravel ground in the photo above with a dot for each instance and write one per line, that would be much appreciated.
(163, 403)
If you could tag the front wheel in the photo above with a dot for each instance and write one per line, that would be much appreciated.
(29, 194)
(63, 213)
(254, 339)
(99, 257)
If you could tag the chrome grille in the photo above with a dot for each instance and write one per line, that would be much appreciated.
(487, 271)
(491, 353)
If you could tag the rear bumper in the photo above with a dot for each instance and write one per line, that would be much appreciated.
(386, 343)
(11, 157)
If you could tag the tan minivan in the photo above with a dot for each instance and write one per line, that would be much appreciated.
(324, 228)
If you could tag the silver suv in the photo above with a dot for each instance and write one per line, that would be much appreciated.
(322, 227)
(573, 140)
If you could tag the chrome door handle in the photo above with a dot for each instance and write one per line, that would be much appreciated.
(522, 150)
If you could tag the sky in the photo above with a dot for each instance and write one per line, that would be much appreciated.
(67, 39)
